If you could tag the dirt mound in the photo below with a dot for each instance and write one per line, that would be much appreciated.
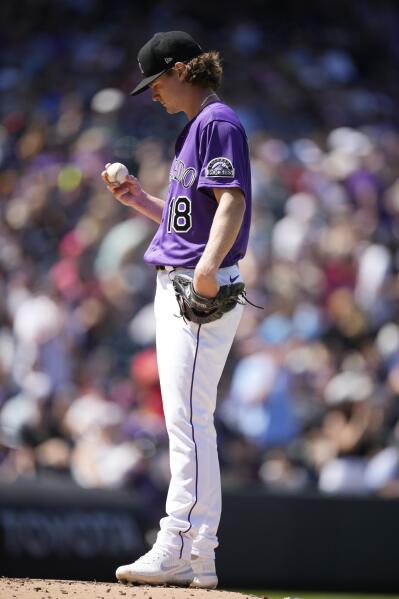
(29, 588)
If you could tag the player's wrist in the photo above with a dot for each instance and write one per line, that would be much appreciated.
(138, 199)
(206, 269)
(204, 281)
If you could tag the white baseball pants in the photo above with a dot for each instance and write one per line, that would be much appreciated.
(191, 359)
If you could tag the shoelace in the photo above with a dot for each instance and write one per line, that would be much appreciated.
(152, 554)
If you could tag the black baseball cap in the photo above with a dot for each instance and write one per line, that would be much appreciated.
(161, 52)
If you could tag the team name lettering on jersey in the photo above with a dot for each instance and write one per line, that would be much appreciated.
(186, 175)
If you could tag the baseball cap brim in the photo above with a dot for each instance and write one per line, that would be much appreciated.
(145, 83)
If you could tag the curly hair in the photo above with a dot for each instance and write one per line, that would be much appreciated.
(205, 70)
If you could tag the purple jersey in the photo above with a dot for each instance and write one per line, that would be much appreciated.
(211, 151)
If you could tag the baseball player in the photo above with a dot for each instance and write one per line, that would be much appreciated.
(202, 235)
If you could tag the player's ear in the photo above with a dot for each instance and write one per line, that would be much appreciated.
(180, 68)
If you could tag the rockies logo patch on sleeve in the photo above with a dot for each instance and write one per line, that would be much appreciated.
(219, 167)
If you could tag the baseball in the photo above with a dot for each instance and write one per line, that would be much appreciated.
(117, 172)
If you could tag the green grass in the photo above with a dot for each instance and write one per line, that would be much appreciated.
(313, 595)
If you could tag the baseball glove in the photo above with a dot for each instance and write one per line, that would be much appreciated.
(200, 309)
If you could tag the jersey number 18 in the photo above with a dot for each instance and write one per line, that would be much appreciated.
(179, 215)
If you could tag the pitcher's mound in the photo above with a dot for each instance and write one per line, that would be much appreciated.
(30, 588)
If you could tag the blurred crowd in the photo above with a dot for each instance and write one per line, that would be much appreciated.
(309, 397)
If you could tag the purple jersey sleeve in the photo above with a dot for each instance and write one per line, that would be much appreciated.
(223, 155)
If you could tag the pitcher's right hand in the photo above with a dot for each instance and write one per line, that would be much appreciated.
(128, 192)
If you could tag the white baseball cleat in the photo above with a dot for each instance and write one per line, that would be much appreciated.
(157, 566)
(205, 576)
